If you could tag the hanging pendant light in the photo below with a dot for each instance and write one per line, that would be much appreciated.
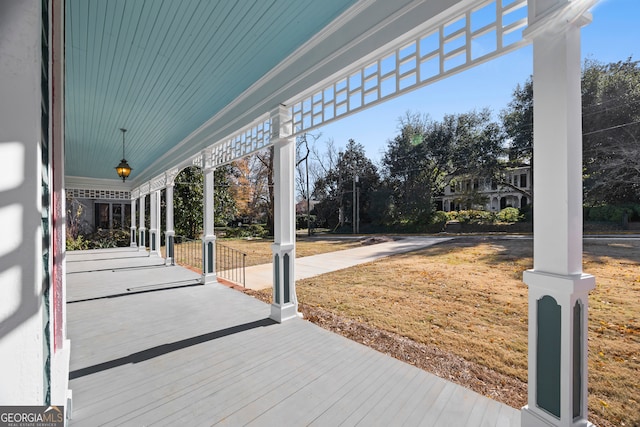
(123, 168)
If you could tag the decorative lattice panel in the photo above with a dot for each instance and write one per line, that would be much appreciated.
(245, 142)
(486, 30)
(84, 193)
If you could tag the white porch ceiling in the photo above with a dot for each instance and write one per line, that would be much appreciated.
(162, 69)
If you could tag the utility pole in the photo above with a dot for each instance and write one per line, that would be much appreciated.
(306, 167)
(357, 204)
(356, 211)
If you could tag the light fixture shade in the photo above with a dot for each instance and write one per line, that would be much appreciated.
(123, 169)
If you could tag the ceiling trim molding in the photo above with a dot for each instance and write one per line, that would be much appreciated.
(96, 183)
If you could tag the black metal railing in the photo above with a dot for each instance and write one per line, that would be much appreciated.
(230, 264)
(187, 252)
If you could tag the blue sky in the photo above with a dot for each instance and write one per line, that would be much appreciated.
(613, 35)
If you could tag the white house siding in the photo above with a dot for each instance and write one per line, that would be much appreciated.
(499, 196)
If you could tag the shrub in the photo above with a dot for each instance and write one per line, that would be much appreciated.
(472, 216)
(611, 213)
(77, 244)
(253, 230)
(509, 215)
(439, 217)
(258, 230)
(103, 239)
(301, 221)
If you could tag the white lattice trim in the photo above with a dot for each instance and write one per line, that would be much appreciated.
(248, 140)
(475, 35)
(86, 193)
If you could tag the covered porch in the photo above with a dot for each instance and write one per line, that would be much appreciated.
(167, 352)
(207, 83)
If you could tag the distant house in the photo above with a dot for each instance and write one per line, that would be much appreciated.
(301, 206)
(487, 194)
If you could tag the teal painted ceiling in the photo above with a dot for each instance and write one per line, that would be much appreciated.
(162, 68)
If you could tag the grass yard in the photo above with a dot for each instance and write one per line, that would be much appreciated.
(467, 298)
(259, 250)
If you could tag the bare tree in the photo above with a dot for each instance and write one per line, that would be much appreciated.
(303, 151)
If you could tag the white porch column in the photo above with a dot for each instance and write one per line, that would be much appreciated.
(285, 302)
(134, 230)
(154, 231)
(558, 290)
(142, 243)
(170, 233)
(209, 238)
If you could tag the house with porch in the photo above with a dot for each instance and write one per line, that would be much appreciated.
(92, 208)
(513, 190)
(206, 83)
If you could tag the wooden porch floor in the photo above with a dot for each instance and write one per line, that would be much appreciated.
(151, 348)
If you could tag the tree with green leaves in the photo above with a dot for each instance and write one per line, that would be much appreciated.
(427, 154)
(413, 164)
(610, 125)
(188, 200)
(224, 204)
(336, 188)
(517, 121)
(611, 132)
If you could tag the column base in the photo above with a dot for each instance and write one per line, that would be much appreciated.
(208, 279)
(133, 233)
(209, 259)
(536, 418)
(169, 247)
(154, 242)
(142, 239)
(557, 375)
(283, 313)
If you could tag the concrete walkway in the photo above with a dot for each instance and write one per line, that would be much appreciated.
(261, 276)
